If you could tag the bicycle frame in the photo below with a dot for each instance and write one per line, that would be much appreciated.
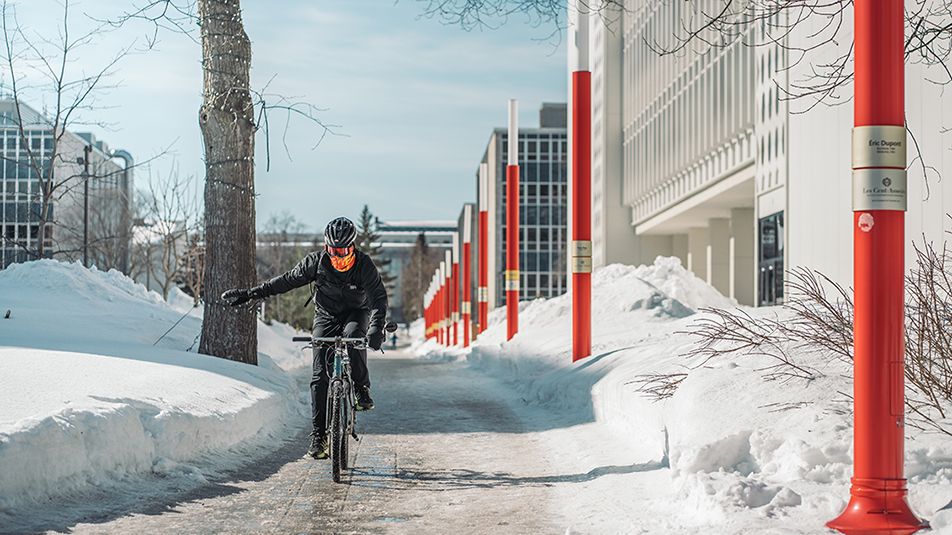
(341, 422)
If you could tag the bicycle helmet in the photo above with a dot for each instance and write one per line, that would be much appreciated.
(340, 233)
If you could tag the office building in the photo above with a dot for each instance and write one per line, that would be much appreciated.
(27, 159)
(397, 239)
(543, 176)
(701, 154)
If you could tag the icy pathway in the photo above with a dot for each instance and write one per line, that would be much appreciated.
(445, 452)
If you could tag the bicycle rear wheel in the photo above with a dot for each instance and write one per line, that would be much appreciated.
(337, 433)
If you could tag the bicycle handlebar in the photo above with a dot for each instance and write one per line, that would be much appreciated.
(329, 340)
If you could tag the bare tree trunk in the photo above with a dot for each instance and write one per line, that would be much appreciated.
(227, 123)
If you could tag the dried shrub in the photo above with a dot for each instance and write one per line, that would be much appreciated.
(819, 320)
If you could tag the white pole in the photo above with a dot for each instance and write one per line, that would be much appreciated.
(513, 132)
(484, 187)
(467, 223)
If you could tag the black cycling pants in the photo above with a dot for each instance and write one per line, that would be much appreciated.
(351, 324)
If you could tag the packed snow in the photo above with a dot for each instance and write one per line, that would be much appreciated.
(92, 396)
(729, 452)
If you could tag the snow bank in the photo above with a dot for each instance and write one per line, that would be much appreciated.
(90, 395)
(743, 455)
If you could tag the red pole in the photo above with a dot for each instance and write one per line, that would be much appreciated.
(483, 268)
(581, 196)
(448, 298)
(467, 269)
(438, 307)
(454, 289)
(512, 226)
(430, 332)
(878, 492)
(436, 316)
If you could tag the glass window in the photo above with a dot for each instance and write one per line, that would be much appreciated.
(533, 261)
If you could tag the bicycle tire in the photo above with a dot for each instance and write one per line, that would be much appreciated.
(337, 434)
(345, 434)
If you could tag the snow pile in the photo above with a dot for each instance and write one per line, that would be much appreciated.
(91, 393)
(740, 454)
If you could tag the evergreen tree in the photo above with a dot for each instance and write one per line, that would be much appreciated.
(416, 277)
(368, 241)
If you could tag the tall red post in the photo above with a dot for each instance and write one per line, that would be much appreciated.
(482, 292)
(878, 493)
(428, 312)
(581, 193)
(467, 273)
(448, 298)
(441, 303)
(438, 308)
(512, 225)
(454, 289)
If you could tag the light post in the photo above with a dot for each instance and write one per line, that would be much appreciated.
(482, 293)
(581, 190)
(448, 297)
(84, 161)
(467, 269)
(441, 309)
(454, 289)
(512, 224)
(878, 493)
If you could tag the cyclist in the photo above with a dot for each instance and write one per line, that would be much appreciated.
(350, 300)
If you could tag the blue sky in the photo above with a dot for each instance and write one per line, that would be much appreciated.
(415, 100)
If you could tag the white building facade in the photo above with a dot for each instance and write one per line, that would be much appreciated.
(27, 148)
(699, 154)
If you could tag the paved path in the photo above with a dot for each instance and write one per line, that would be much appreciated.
(441, 453)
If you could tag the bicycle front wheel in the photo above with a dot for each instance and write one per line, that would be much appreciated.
(337, 434)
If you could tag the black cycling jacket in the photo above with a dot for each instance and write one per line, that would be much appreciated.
(335, 293)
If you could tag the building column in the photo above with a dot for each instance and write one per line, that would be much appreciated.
(719, 254)
(679, 248)
(697, 251)
(742, 255)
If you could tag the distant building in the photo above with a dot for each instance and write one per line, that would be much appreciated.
(543, 177)
(397, 239)
(702, 155)
(110, 193)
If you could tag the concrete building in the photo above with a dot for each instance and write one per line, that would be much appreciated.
(26, 159)
(543, 176)
(397, 239)
(699, 155)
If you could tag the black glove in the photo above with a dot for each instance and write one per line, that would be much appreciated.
(240, 296)
(375, 339)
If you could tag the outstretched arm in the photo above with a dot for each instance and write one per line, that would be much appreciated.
(304, 272)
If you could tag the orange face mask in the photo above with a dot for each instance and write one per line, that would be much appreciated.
(343, 263)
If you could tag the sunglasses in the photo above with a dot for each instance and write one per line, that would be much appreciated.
(339, 251)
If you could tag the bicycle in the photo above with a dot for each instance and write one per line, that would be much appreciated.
(341, 399)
